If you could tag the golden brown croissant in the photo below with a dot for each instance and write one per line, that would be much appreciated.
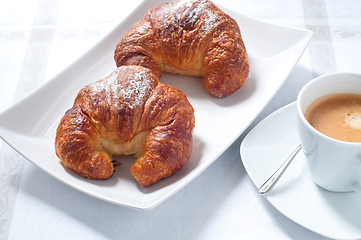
(191, 38)
(128, 112)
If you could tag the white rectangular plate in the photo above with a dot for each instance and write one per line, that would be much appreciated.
(30, 126)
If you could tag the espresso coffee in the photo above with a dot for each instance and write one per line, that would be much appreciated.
(337, 116)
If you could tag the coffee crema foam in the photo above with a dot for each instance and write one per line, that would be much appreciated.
(337, 116)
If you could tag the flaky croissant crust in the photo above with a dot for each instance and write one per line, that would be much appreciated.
(191, 38)
(128, 112)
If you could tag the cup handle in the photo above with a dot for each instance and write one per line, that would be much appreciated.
(357, 184)
(356, 187)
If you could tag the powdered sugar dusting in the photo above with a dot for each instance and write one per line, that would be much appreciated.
(132, 91)
(78, 120)
(209, 22)
(136, 89)
(189, 12)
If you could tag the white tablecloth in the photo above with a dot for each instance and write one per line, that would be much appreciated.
(39, 38)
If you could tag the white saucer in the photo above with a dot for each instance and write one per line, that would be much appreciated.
(334, 215)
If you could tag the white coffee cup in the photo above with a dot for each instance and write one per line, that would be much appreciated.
(334, 165)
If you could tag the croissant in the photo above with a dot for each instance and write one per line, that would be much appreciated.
(191, 38)
(128, 112)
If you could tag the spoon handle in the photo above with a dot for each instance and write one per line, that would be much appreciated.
(271, 181)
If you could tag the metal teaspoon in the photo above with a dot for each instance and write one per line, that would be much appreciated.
(272, 180)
